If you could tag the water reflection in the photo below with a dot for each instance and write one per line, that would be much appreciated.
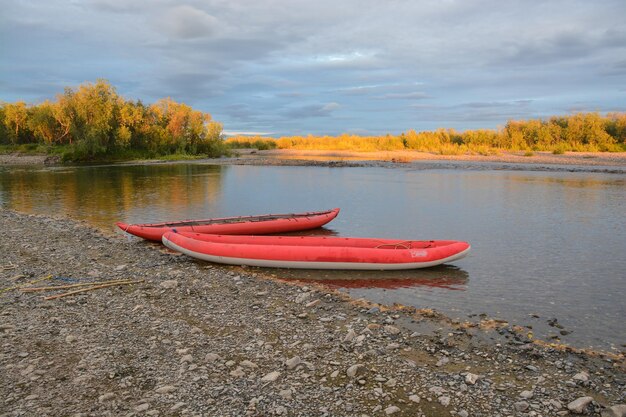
(106, 194)
(565, 180)
(446, 277)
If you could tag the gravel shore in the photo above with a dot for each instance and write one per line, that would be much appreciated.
(27, 159)
(600, 162)
(197, 339)
(506, 157)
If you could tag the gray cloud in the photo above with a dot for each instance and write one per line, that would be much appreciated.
(312, 110)
(187, 22)
(416, 95)
(279, 66)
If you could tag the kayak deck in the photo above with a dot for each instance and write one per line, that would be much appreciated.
(308, 252)
(262, 224)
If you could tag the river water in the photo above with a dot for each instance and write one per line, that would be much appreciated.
(545, 245)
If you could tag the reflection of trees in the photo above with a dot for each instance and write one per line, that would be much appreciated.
(444, 276)
(103, 195)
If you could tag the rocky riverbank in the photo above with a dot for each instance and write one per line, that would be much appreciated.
(199, 339)
(600, 162)
(503, 157)
(28, 159)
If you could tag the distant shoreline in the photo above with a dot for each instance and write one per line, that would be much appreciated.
(612, 162)
(568, 158)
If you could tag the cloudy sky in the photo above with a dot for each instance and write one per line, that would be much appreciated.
(326, 66)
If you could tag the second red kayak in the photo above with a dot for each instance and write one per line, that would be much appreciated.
(309, 252)
(244, 225)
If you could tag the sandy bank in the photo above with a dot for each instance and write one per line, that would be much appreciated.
(198, 339)
(568, 158)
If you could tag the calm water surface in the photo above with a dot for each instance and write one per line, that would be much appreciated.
(546, 243)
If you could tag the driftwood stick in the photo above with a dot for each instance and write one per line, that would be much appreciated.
(65, 294)
(15, 287)
(82, 284)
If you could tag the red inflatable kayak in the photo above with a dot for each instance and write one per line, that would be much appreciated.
(310, 252)
(245, 225)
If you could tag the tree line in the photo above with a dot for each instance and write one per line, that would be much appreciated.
(580, 132)
(93, 121)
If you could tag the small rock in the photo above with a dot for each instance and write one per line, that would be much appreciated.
(285, 394)
(142, 407)
(556, 404)
(186, 358)
(442, 361)
(521, 406)
(462, 413)
(527, 395)
(579, 404)
(177, 406)
(581, 376)
(293, 362)
(70, 338)
(444, 400)
(271, 377)
(415, 398)
(392, 409)
(106, 397)
(471, 378)
(350, 336)
(392, 329)
(249, 364)
(166, 389)
(169, 284)
(238, 372)
(211, 357)
(354, 370)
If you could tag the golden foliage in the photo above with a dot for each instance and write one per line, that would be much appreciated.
(93, 119)
(578, 132)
